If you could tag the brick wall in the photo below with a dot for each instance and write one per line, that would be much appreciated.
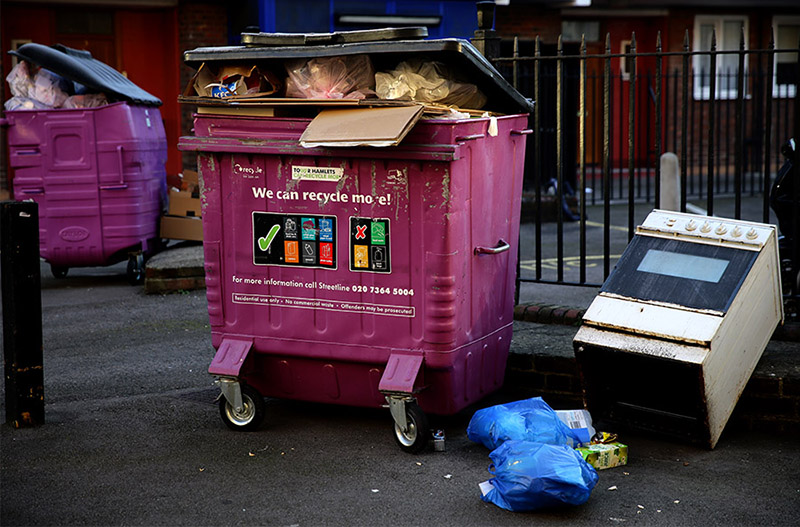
(200, 23)
(770, 401)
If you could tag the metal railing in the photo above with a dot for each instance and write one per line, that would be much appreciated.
(601, 123)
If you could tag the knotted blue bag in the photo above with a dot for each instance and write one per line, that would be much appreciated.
(526, 420)
(530, 476)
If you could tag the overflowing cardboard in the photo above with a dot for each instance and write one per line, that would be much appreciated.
(182, 228)
(361, 126)
(182, 203)
(230, 81)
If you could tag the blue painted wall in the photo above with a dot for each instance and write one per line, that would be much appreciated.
(458, 17)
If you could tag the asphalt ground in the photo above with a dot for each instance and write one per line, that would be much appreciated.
(133, 437)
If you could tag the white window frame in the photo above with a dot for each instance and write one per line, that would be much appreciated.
(782, 90)
(624, 70)
(718, 21)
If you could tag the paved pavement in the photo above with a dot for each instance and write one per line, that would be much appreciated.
(133, 437)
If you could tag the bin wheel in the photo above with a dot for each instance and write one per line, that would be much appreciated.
(135, 270)
(59, 271)
(252, 414)
(415, 439)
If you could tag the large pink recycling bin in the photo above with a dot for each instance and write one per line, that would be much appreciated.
(98, 177)
(357, 275)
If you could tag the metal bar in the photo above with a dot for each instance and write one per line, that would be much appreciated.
(537, 116)
(699, 113)
(728, 134)
(631, 141)
(685, 123)
(607, 160)
(659, 146)
(621, 134)
(22, 313)
(515, 64)
(674, 110)
(582, 154)
(559, 163)
(795, 247)
(596, 138)
(739, 137)
(768, 124)
(644, 115)
(712, 97)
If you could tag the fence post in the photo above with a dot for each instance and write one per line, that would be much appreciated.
(22, 313)
(670, 185)
(485, 38)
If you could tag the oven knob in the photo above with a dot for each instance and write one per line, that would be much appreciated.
(691, 225)
(752, 234)
(671, 222)
(706, 227)
(736, 232)
(721, 229)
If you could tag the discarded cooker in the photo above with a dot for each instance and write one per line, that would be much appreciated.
(352, 274)
(678, 327)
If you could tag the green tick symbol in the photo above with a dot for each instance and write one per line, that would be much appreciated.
(264, 243)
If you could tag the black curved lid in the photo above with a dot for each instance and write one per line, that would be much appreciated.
(79, 66)
(458, 53)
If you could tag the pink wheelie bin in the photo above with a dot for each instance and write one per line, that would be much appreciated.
(359, 275)
(98, 174)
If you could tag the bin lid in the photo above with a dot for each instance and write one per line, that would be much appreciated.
(79, 66)
(337, 37)
(462, 56)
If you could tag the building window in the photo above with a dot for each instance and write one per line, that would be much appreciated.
(625, 61)
(574, 30)
(728, 31)
(787, 36)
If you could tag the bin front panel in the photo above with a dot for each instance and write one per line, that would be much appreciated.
(349, 257)
(97, 175)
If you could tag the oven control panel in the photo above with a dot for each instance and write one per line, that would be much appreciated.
(709, 228)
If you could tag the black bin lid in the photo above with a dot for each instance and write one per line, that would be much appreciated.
(384, 50)
(79, 66)
(337, 37)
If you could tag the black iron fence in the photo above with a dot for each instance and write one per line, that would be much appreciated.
(602, 122)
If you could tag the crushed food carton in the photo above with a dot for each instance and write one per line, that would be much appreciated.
(605, 455)
(232, 80)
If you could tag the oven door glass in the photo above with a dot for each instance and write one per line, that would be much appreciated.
(694, 275)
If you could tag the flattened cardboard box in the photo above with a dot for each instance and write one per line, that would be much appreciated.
(181, 203)
(342, 127)
(181, 228)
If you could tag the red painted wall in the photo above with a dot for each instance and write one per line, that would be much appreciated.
(144, 46)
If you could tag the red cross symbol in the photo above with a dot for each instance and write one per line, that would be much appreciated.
(361, 232)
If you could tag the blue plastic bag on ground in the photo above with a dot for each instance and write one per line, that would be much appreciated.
(526, 420)
(530, 476)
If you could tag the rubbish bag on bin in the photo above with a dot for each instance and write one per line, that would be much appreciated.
(345, 77)
(530, 476)
(20, 80)
(427, 81)
(526, 420)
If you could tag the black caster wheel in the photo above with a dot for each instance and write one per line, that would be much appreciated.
(252, 414)
(135, 272)
(59, 271)
(415, 438)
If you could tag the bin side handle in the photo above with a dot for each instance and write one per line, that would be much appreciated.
(501, 247)
(462, 138)
(121, 167)
(121, 185)
(527, 131)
